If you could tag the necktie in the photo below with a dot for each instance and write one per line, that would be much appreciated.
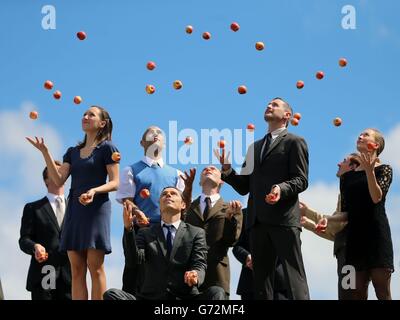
(266, 146)
(169, 238)
(207, 208)
(60, 210)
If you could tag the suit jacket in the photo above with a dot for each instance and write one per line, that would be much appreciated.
(285, 165)
(241, 250)
(39, 225)
(163, 276)
(221, 233)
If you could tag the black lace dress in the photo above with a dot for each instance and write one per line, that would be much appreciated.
(369, 241)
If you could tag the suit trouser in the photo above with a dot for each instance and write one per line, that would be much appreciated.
(62, 292)
(212, 293)
(268, 243)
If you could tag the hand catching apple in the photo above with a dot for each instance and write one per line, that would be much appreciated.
(321, 225)
(274, 196)
(234, 207)
(40, 253)
(38, 144)
(223, 160)
(191, 278)
(86, 198)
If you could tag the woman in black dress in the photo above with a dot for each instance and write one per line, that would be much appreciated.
(86, 230)
(369, 243)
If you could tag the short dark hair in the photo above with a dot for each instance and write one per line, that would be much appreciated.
(353, 158)
(45, 173)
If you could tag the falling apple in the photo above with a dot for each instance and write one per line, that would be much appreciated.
(342, 62)
(144, 193)
(116, 156)
(81, 35)
(33, 115)
(294, 122)
(300, 84)
(221, 144)
(235, 26)
(151, 65)
(260, 46)
(206, 36)
(48, 85)
(319, 75)
(189, 29)
(57, 95)
(77, 99)
(242, 89)
(177, 84)
(337, 122)
(188, 140)
(150, 89)
(297, 116)
(251, 127)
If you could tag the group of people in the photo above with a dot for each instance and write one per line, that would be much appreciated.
(176, 248)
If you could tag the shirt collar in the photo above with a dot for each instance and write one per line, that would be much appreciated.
(149, 161)
(175, 224)
(52, 197)
(214, 198)
(277, 132)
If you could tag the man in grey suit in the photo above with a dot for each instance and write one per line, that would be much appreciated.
(174, 255)
(274, 173)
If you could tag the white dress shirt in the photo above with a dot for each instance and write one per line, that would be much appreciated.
(214, 198)
(173, 230)
(127, 187)
(52, 199)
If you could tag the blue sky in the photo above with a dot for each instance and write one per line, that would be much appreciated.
(109, 69)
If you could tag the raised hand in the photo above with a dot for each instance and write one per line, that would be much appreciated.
(127, 216)
(223, 160)
(38, 144)
(189, 178)
(368, 161)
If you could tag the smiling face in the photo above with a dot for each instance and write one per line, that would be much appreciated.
(171, 201)
(277, 111)
(367, 137)
(91, 120)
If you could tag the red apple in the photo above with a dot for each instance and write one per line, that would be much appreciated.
(81, 35)
(77, 99)
(242, 89)
(206, 36)
(294, 122)
(221, 144)
(189, 29)
(319, 75)
(177, 84)
(57, 95)
(144, 193)
(297, 116)
(235, 26)
(116, 156)
(188, 140)
(260, 46)
(337, 122)
(33, 115)
(342, 62)
(300, 84)
(150, 89)
(251, 127)
(48, 85)
(270, 197)
(151, 65)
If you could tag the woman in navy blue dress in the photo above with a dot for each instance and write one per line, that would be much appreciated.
(86, 230)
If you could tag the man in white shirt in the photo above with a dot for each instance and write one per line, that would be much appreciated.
(40, 234)
(140, 188)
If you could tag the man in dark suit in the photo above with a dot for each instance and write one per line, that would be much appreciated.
(174, 255)
(222, 223)
(274, 173)
(49, 275)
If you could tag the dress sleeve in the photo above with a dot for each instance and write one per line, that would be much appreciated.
(67, 156)
(108, 150)
(384, 178)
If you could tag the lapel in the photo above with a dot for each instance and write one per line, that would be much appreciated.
(277, 140)
(257, 151)
(178, 238)
(48, 210)
(217, 208)
(161, 239)
(196, 208)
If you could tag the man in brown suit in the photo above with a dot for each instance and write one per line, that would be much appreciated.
(222, 223)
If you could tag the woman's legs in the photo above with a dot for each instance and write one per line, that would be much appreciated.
(361, 290)
(95, 262)
(381, 280)
(78, 270)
